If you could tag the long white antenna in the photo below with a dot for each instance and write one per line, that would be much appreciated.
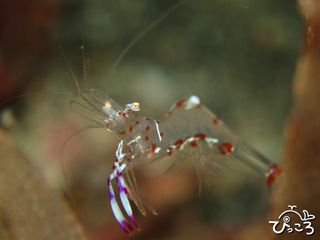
(138, 37)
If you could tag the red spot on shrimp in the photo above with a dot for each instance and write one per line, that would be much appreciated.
(180, 102)
(146, 138)
(215, 120)
(154, 146)
(107, 126)
(137, 122)
(119, 113)
(201, 136)
(161, 134)
(274, 170)
(193, 144)
(158, 122)
(169, 113)
(123, 115)
(225, 148)
(130, 129)
(169, 151)
(122, 133)
(178, 143)
(146, 118)
(147, 128)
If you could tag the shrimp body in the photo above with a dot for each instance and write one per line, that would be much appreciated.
(188, 129)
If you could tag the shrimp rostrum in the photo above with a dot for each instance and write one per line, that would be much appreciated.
(189, 128)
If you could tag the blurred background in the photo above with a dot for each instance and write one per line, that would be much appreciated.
(238, 56)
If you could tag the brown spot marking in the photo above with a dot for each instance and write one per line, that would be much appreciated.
(122, 133)
(130, 129)
(170, 151)
(147, 128)
(178, 143)
(274, 170)
(154, 146)
(193, 144)
(215, 120)
(180, 102)
(225, 148)
(201, 136)
(146, 138)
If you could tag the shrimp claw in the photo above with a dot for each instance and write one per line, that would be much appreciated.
(123, 192)
(126, 227)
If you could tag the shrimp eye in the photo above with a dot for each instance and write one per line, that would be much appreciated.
(135, 106)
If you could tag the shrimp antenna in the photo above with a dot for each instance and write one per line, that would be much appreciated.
(31, 94)
(77, 90)
(36, 93)
(71, 74)
(138, 37)
(86, 67)
(86, 60)
(63, 147)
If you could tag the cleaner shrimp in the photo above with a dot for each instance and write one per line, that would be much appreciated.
(143, 140)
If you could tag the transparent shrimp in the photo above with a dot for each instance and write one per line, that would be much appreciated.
(189, 128)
